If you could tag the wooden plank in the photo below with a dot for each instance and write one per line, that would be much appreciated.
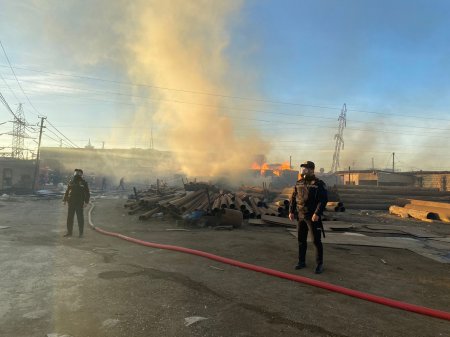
(257, 222)
(278, 221)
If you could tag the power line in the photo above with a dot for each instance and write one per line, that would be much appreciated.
(20, 86)
(62, 134)
(229, 108)
(174, 89)
(56, 140)
(7, 85)
(221, 95)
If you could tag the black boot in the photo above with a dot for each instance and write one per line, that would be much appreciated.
(300, 265)
(319, 269)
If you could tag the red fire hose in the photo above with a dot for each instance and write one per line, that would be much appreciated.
(301, 279)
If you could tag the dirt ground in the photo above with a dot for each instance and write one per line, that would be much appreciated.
(103, 286)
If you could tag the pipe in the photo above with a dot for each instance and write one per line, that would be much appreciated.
(296, 278)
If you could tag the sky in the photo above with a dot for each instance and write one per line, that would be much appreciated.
(219, 81)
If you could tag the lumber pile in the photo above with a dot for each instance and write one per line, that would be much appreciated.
(201, 199)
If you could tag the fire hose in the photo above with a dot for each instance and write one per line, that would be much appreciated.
(296, 278)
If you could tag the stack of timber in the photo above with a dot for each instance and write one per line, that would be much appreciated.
(203, 199)
(149, 201)
(380, 198)
(422, 210)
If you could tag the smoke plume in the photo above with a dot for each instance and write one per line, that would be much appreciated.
(181, 44)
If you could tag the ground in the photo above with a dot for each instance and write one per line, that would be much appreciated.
(103, 286)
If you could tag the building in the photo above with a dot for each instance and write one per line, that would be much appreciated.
(16, 175)
(433, 179)
(376, 178)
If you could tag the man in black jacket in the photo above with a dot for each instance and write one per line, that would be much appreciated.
(309, 200)
(77, 196)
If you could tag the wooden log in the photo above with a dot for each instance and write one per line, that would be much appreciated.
(335, 204)
(216, 203)
(237, 202)
(130, 204)
(166, 202)
(153, 200)
(189, 197)
(430, 203)
(332, 208)
(135, 210)
(148, 214)
(254, 207)
(282, 203)
(193, 204)
(400, 211)
(422, 215)
(230, 201)
(443, 213)
(223, 201)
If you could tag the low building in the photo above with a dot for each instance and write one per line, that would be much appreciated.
(376, 178)
(16, 175)
(433, 179)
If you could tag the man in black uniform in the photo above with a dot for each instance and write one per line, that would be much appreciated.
(77, 195)
(309, 199)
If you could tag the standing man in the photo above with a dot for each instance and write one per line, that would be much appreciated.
(121, 184)
(77, 195)
(309, 200)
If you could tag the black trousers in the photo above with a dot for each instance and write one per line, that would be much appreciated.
(80, 218)
(304, 225)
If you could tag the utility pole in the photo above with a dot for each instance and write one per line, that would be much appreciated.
(60, 142)
(339, 136)
(151, 138)
(290, 162)
(393, 161)
(349, 175)
(373, 165)
(36, 169)
(103, 145)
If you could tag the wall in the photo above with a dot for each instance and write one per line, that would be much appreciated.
(16, 175)
(440, 181)
(395, 179)
(377, 178)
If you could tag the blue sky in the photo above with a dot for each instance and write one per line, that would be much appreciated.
(389, 61)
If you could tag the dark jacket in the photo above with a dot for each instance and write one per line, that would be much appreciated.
(309, 197)
(77, 192)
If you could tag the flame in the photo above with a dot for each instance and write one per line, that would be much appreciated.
(255, 166)
(276, 168)
(285, 166)
(264, 168)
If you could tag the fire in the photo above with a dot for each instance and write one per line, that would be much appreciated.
(264, 168)
(255, 166)
(275, 168)
(282, 167)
